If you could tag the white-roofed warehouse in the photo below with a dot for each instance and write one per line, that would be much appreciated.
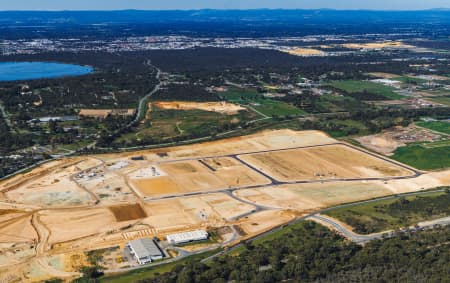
(145, 250)
(186, 237)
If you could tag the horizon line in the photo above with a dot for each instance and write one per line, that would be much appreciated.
(233, 9)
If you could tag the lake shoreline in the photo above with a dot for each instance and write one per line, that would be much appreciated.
(23, 71)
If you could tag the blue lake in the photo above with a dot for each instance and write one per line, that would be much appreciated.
(14, 71)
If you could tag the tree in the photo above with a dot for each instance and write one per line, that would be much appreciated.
(91, 272)
(52, 125)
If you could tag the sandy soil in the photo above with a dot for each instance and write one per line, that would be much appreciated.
(103, 113)
(191, 212)
(128, 212)
(384, 75)
(14, 253)
(109, 187)
(48, 192)
(42, 201)
(328, 162)
(381, 143)
(265, 220)
(340, 192)
(308, 197)
(278, 139)
(278, 197)
(71, 224)
(17, 230)
(389, 140)
(426, 181)
(220, 107)
(50, 184)
(377, 45)
(156, 187)
(42, 269)
(225, 206)
(305, 52)
(195, 176)
(42, 170)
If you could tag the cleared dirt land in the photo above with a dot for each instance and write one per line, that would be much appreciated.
(308, 197)
(378, 45)
(279, 139)
(326, 162)
(193, 212)
(197, 176)
(389, 140)
(128, 212)
(219, 107)
(66, 225)
(50, 184)
(305, 52)
(252, 183)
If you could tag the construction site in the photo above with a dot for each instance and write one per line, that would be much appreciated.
(51, 216)
(389, 140)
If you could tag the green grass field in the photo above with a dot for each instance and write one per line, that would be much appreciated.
(347, 127)
(394, 213)
(353, 86)
(165, 125)
(438, 126)
(271, 107)
(442, 143)
(267, 106)
(409, 80)
(442, 99)
(423, 158)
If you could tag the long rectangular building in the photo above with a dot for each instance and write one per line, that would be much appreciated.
(186, 237)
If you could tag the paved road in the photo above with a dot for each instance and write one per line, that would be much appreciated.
(297, 220)
(6, 118)
(275, 182)
(140, 110)
(430, 224)
(142, 103)
(441, 221)
(258, 207)
(236, 156)
(361, 239)
(206, 138)
(174, 259)
(356, 238)
(181, 254)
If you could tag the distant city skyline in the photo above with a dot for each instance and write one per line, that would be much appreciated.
(221, 4)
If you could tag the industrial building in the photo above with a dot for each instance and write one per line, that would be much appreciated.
(186, 237)
(145, 250)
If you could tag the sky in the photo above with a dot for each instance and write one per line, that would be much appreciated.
(220, 4)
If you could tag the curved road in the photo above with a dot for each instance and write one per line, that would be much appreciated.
(305, 217)
(356, 238)
(141, 108)
(361, 239)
